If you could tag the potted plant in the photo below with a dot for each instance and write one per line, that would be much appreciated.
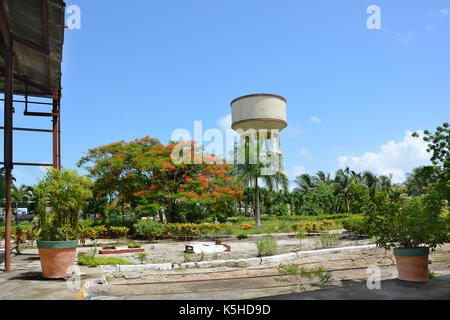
(412, 227)
(61, 195)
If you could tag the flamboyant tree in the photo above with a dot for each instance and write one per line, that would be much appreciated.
(141, 175)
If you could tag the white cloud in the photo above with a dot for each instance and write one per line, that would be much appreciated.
(305, 153)
(407, 39)
(293, 132)
(445, 12)
(393, 158)
(315, 120)
(225, 122)
(298, 170)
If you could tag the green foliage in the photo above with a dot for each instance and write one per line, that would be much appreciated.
(356, 225)
(134, 244)
(141, 256)
(318, 200)
(242, 234)
(301, 234)
(65, 192)
(90, 261)
(280, 209)
(149, 228)
(409, 224)
(329, 240)
(266, 247)
(119, 232)
(298, 275)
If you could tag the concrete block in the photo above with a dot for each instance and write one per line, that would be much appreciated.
(279, 258)
(187, 265)
(110, 268)
(210, 264)
(230, 263)
(248, 262)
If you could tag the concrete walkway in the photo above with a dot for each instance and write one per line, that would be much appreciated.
(25, 281)
(435, 289)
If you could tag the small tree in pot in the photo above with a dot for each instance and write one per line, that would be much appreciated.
(412, 227)
(65, 192)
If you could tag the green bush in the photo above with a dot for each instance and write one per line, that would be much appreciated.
(90, 261)
(356, 225)
(66, 193)
(149, 228)
(134, 244)
(237, 219)
(242, 234)
(119, 232)
(266, 247)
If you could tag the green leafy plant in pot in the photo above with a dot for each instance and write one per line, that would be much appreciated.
(411, 226)
(61, 196)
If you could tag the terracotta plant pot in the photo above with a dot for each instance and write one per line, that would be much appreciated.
(412, 263)
(57, 258)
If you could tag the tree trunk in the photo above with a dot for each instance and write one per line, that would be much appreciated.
(169, 212)
(257, 213)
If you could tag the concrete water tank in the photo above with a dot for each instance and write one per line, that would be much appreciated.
(261, 111)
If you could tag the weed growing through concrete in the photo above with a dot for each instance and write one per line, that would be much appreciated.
(141, 256)
(266, 247)
(299, 275)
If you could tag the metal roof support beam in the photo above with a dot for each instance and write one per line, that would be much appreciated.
(4, 25)
(31, 45)
(31, 83)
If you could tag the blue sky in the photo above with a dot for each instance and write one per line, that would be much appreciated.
(147, 67)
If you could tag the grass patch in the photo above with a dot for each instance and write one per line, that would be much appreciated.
(266, 247)
(90, 261)
(134, 244)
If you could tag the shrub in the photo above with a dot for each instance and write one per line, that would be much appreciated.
(66, 193)
(101, 231)
(238, 219)
(149, 228)
(297, 226)
(90, 261)
(141, 256)
(409, 224)
(119, 232)
(301, 235)
(242, 235)
(298, 275)
(245, 226)
(134, 244)
(266, 247)
(356, 225)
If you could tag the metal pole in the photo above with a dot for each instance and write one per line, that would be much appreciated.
(55, 129)
(8, 156)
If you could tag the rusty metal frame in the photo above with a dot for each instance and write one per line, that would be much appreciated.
(7, 52)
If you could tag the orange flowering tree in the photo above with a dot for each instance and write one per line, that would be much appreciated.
(140, 175)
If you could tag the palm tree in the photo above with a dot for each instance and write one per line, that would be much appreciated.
(323, 177)
(371, 181)
(305, 182)
(19, 196)
(249, 175)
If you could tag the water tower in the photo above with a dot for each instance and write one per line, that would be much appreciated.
(262, 115)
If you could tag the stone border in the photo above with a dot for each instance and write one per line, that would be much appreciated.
(231, 263)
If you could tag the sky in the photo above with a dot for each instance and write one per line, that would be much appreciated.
(354, 94)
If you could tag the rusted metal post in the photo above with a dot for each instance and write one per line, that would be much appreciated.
(55, 129)
(8, 155)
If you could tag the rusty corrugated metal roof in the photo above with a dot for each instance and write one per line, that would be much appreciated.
(36, 29)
